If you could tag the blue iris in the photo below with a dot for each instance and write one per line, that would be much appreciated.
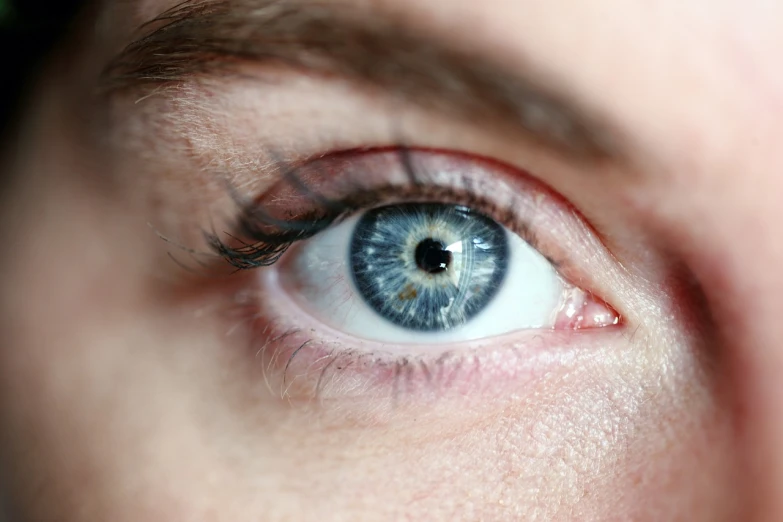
(427, 266)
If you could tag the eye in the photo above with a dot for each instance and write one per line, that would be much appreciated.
(423, 273)
(416, 248)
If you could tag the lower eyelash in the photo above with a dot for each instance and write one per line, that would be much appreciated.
(314, 371)
(302, 361)
(307, 363)
(299, 368)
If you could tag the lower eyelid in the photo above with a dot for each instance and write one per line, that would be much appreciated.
(299, 367)
(303, 360)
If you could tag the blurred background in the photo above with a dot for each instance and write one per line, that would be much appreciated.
(28, 30)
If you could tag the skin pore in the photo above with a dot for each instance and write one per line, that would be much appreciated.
(143, 381)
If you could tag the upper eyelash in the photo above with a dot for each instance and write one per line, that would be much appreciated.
(263, 248)
(261, 240)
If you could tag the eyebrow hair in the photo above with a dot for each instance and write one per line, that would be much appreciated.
(215, 37)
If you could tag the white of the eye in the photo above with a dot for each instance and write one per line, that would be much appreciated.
(320, 281)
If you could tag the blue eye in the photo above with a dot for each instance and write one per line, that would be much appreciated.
(427, 267)
(422, 273)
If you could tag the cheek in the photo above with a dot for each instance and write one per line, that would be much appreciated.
(161, 415)
(607, 440)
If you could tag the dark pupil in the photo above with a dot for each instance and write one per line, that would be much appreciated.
(432, 256)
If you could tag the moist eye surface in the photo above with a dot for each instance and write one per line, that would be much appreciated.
(428, 267)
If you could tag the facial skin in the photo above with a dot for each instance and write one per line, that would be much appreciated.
(136, 387)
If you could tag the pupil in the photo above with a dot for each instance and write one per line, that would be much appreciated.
(432, 256)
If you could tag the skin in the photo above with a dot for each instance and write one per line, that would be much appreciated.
(131, 390)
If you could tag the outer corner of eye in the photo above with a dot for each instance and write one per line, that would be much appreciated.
(580, 310)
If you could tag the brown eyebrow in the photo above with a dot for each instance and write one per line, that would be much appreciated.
(215, 37)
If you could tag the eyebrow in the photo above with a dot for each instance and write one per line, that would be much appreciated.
(216, 37)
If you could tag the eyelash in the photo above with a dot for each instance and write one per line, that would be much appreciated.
(260, 240)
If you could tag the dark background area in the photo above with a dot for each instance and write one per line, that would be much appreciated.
(28, 31)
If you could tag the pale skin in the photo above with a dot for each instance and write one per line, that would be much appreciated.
(131, 392)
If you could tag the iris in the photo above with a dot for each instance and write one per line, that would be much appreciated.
(427, 266)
